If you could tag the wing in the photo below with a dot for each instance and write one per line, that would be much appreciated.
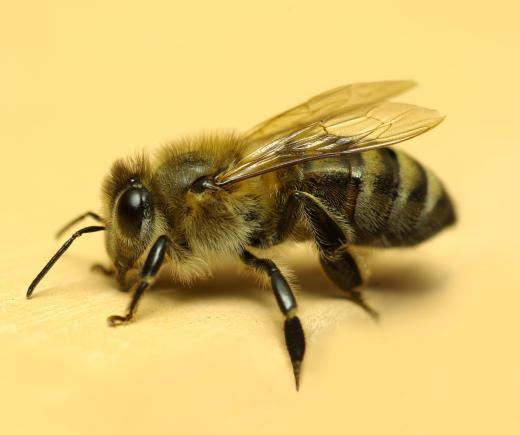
(325, 105)
(364, 128)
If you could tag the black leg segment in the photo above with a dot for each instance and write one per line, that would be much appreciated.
(294, 336)
(338, 264)
(295, 342)
(343, 271)
(150, 269)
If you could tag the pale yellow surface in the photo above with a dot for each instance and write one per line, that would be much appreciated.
(82, 83)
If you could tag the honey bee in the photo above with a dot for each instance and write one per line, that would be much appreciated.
(321, 171)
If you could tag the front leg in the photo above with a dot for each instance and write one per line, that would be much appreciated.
(294, 336)
(123, 283)
(107, 271)
(149, 272)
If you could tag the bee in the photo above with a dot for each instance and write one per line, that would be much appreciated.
(321, 172)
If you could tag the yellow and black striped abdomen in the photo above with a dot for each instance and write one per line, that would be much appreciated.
(386, 197)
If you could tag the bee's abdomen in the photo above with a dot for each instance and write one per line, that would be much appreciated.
(386, 197)
(421, 208)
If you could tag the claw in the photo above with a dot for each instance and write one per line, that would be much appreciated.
(116, 320)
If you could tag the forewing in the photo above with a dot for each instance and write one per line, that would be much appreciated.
(339, 100)
(361, 129)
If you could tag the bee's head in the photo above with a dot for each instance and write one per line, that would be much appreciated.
(130, 213)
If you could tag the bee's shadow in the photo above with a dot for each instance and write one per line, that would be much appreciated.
(225, 283)
(408, 277)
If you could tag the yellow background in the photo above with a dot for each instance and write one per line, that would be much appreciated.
(82, 83)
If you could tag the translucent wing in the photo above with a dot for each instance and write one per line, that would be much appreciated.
(364, 128)
(325, 105)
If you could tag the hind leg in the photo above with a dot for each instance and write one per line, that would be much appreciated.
(338, 264)
(344, 272)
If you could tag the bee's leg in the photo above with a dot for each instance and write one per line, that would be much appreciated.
(294, 336)
(107, 271)
(343, 271)
(122, 282)
(149, 272)
(337, 262)
(288, 216)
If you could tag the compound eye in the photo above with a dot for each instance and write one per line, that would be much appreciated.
(132, 208)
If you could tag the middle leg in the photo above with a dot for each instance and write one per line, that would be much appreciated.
(294, 336)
